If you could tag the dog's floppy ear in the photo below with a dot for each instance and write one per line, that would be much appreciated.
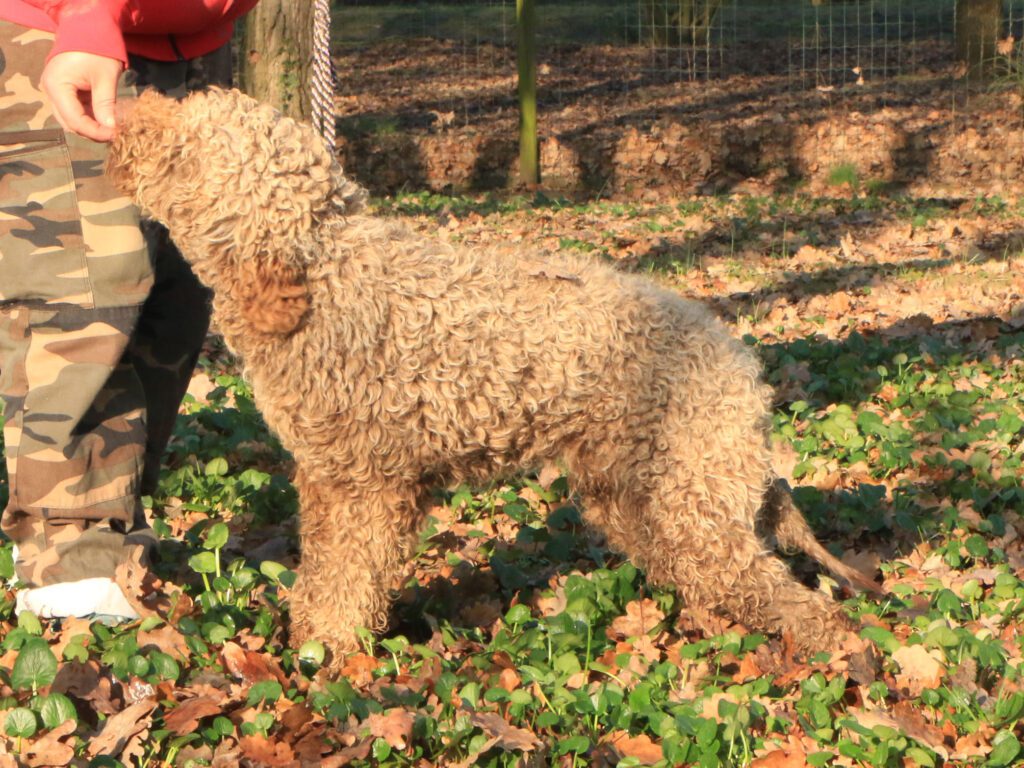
(147, 142)
(274, 299)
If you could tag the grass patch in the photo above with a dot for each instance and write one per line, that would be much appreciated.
(519, 636)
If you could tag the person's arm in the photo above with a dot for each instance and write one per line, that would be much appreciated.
(80, 77)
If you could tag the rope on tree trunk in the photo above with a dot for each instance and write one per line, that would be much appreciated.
(323, 85)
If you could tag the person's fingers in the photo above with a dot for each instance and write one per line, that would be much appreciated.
(71, 115)
(104, 97)
(82, 88)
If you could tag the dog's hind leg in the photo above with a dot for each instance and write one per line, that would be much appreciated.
(691, 524)
(717, 563)
(355, 542)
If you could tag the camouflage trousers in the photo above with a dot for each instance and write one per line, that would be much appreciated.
(101, 322)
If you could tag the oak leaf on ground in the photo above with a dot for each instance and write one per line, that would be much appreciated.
(507, 736)
(249, 666)
(185, 717)
(165, 638)
(920, 669)
(640, 618)
(119, 729)
(359, 668)
(394, 726)
(267, 752)
(792, 754)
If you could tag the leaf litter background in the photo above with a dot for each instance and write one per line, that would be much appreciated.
(889, 327)
(421, 113)
(889, 324)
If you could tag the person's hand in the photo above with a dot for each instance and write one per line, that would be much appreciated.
(82, 88)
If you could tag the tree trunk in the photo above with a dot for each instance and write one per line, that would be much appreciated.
(276, 56)
(978, 24)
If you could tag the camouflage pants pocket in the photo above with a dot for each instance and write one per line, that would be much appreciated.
(75, 427)
(42, 249)
(66, 235)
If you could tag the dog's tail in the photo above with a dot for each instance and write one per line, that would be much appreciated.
(791, 532)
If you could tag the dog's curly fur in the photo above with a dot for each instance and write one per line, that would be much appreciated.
(388, 362)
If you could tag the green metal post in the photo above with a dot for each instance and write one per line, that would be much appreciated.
(529, 151)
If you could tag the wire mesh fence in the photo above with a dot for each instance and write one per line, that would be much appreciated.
(819, 43)
(616, 66)
(814, 43)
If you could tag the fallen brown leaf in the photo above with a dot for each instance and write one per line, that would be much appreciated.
(135, 750)
(138, 583)
(120, 728)
(555, 603)
(185, 717)
(977, 744)
(577, 680)
(359, 668)
(251, 642)
(920, 668)
(202, 754)
(200, 386)
(394, 726)
(293, 716)
(84, 682)
(913, 723)
(793, 755)
(781, 758)
(267, 752)
(507, 736)
(180, 604)
(344, 756)
(748, 669)
(70, 628)
(312, 747)
(641, 617)
(904, 721)
(165, 638)
(640, 747)
(49, 750)
(508, 679)
(250, 667)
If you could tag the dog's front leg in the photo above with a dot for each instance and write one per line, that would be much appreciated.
(355, 539)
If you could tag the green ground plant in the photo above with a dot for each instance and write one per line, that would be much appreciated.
(517, 637)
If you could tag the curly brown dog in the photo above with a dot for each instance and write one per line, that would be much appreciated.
(388, 362)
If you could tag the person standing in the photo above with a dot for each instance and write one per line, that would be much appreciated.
(101, 319)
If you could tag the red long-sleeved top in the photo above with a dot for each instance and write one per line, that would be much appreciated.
(165, 30)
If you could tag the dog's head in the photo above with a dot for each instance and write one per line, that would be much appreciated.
(241, 188)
